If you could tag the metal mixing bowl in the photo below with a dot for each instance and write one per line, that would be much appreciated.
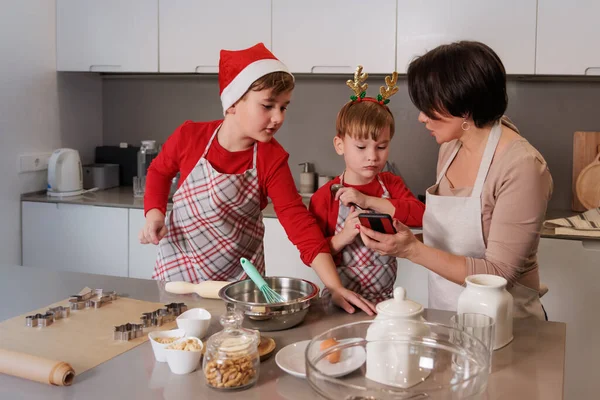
(244, 296)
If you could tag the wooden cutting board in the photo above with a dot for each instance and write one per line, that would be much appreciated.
(84, 339)
(588, 184)
(585, 145)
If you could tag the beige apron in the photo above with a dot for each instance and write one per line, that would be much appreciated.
(453, 224)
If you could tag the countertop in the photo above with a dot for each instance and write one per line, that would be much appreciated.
(122, 197)
(531, 367)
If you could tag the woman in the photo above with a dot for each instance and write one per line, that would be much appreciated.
(484, 214)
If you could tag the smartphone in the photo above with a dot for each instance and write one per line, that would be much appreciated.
(378, 222)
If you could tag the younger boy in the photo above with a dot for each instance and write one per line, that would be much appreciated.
(365, 127)
(228, 169)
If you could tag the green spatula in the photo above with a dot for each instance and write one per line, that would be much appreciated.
(270, 295)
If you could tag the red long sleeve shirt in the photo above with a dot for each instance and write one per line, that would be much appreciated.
(185, 146)
(409, 210)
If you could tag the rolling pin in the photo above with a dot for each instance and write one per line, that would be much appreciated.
(208, 289)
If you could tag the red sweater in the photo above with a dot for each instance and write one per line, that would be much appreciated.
(185, 146)
(409, 210)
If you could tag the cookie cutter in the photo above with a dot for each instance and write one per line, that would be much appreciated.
(163, 315)
(128, 331)
(41, 320)
(60, 312)
(155, 318)
(95, 298)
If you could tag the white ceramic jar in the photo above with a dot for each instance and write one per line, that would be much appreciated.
(487, 294)
(389, 357)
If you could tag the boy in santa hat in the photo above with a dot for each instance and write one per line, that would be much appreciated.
(228, 169)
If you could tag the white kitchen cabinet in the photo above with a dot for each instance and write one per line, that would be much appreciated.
(334, 36)
(192, 32)
(568, 38)
(142, 257)
(79, 238)
(282, 258)
(107, 35)
(508, 27)
(571, 270)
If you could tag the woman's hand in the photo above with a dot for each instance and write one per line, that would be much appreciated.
(399, 245)
(154, 229)
(345, 299)
(348, 196)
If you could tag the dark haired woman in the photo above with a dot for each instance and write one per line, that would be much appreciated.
(484, 214)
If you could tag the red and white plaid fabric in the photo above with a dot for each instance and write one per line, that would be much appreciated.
(363, 270)
(216, 220)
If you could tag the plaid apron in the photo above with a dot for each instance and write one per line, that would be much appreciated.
(363, 270)
(216, 219)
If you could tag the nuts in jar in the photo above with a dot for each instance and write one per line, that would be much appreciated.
(232, 359)
(230, 373)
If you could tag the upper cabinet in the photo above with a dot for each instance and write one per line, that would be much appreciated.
(334, 36)
(507, 26)
(107, 35)
(192, 32)
(568, 37)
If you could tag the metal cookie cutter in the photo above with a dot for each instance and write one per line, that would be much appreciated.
(162, 315)
(94, 298)
(41, 320)
(128, 331)
(60, 312)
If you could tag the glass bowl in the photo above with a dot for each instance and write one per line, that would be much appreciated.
(397, 359)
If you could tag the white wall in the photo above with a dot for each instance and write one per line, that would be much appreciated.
(40, 110)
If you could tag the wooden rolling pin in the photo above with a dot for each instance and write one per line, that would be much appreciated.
(208, 289)
(35, 368)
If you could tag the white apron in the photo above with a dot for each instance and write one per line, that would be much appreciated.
(216, 220)
(453, 224)
(363, 270)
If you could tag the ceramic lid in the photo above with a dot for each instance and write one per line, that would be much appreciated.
(399, 306)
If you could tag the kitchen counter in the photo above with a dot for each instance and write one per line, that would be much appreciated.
(120, 197)
(531, 367)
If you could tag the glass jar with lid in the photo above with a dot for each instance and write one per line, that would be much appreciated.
(231, 360)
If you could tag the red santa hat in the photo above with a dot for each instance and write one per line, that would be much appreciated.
(238, 69)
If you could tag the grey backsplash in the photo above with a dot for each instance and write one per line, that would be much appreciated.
(546, 111)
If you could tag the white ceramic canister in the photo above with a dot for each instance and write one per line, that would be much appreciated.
(487, 294)
(389, 357)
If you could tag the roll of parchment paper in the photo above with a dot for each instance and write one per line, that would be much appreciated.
(35, 368)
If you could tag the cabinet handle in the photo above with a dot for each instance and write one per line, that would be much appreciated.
(206, 68)
(591, 244)
(593, 71)
(103, 67)
(336, 69)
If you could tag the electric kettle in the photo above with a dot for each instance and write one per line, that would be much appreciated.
(65, 177)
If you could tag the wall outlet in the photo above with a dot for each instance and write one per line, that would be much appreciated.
(33, 162)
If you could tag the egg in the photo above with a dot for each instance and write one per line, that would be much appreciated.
(335, 356)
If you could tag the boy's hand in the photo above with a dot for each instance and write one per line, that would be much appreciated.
(346, 299)
(351, 228)
(154, 229)
(348, 196)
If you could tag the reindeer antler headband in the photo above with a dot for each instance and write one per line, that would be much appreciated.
(359, 87)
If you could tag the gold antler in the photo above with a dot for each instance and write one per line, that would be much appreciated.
(390, 89)
(357, 85)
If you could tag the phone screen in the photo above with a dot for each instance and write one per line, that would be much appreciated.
(382, 223)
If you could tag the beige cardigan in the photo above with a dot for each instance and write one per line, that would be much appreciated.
(514, 200)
